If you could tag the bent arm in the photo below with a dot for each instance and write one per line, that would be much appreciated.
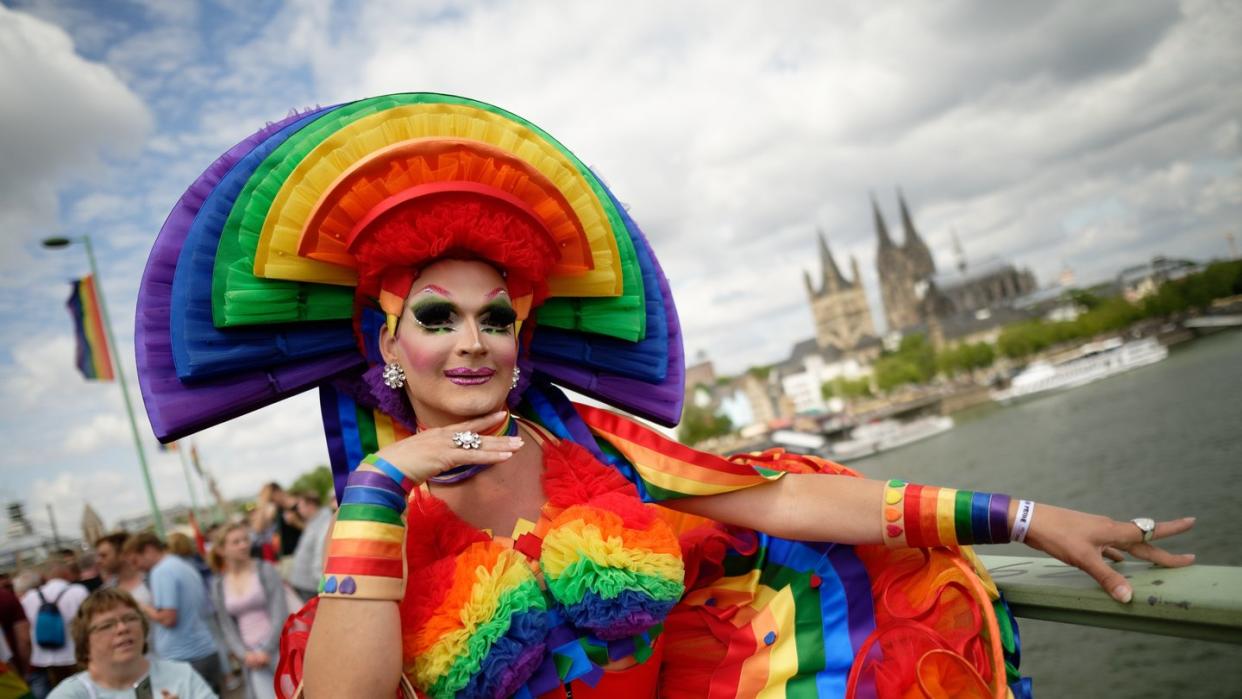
(354, 650)
(163, 617)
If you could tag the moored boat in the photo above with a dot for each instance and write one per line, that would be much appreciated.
(1095, 361)
(875, 437)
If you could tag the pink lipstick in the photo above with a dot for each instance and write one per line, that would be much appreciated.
(469, 377)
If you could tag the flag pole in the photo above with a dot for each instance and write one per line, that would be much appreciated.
(189, 482)
(156, 516)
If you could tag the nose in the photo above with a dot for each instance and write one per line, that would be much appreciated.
(471, 340)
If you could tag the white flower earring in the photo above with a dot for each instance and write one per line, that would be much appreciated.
(394, 376)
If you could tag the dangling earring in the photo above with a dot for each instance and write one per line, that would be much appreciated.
(516, 373)
(394, 376)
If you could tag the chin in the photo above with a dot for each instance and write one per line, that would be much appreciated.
(462, 408)
(468, 410)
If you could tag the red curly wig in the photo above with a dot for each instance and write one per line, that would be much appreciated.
(465, 221)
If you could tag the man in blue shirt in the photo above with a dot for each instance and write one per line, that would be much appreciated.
(179, 609)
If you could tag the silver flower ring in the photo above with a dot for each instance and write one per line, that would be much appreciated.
(467, 440)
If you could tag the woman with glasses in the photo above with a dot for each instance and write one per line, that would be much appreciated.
(109, 634)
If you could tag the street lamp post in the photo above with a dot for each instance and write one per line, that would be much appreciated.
(57, 243)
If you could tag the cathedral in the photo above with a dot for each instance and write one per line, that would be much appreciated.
(912, 291)
(839, 305)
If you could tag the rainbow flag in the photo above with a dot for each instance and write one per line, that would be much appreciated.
(94, 357)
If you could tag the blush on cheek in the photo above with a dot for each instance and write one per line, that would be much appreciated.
(506, 354)
(422, 354)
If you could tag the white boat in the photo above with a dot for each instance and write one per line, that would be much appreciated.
(875, 437)
(1095, 361)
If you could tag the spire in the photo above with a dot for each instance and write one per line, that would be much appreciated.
(916, 250)
(881, 230)
(907, 226)
(854, 269)
(830, 275)
(961, 254)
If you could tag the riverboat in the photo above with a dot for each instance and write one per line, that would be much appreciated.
(1095, 361)
(875, 437)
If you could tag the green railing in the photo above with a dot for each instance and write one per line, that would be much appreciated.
(1201, 602)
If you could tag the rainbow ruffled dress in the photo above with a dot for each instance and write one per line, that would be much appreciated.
(754, 614)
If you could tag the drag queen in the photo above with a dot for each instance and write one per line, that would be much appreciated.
(441, 269)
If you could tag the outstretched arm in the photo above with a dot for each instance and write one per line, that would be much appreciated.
(849, 510)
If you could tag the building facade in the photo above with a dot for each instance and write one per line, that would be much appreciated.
(993, 283)
(838, 305)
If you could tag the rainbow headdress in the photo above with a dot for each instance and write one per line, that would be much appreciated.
(251, 290)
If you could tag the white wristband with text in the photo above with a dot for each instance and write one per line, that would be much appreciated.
(1022, 522)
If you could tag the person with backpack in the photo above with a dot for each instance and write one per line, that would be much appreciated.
(49, 608)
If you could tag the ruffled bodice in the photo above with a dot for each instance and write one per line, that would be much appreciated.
(588, 584)
(594, 579)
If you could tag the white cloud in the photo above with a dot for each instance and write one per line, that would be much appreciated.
(98, 207)
(38, 369)
(100, 432)
(62, 114)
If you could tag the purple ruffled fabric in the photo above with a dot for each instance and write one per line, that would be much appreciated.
(513, 658)
(628, 614)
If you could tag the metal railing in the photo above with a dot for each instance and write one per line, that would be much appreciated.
(1201, 602)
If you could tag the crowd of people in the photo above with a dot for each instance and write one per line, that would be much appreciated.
(138, 615)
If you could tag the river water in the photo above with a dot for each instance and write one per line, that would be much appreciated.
(1162, 441)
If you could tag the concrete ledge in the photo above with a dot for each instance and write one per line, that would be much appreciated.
(1202, 602)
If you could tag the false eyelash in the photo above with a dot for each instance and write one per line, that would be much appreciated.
(433, 314)
(499, 316)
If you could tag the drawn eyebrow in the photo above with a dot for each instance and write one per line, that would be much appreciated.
(432, 288)
(495, 292)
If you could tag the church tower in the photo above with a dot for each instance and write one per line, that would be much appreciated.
(921, 263)
(904, 270)
(839, 306)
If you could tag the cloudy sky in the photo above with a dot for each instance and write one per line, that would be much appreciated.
(1056, 134)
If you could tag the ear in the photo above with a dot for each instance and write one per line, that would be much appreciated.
(387, 344)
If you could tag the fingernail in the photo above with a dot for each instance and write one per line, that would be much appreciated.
(1191, 519)
(1122, 594)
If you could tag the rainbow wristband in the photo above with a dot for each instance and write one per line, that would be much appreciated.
(365, 554)
(924, 516)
